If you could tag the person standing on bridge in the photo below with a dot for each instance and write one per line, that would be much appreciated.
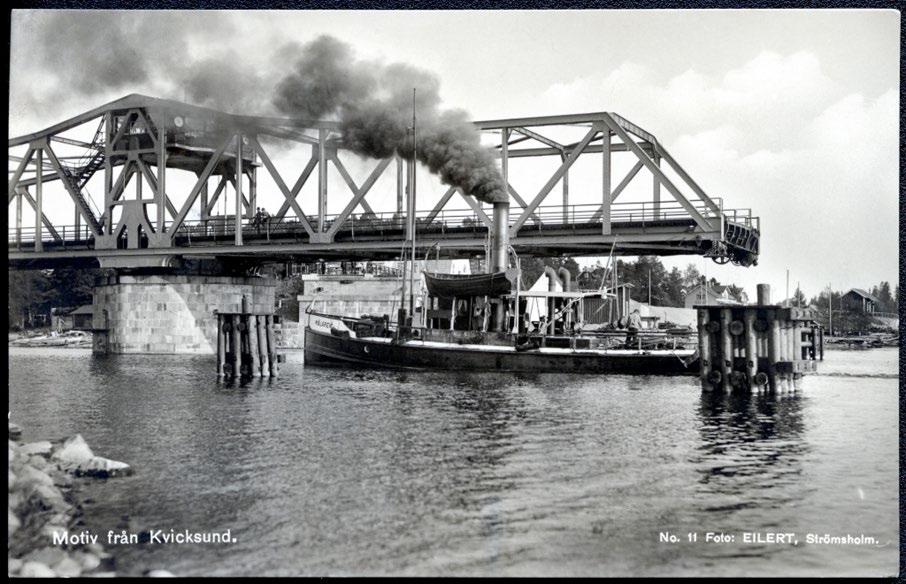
(260, 219)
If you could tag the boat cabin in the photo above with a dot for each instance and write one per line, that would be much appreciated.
(493, 303)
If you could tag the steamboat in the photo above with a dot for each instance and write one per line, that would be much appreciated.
(486, 322)
(457, 333)
(482, 322)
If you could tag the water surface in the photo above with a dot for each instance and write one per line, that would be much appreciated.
(331, 471)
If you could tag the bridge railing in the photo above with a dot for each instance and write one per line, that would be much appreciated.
(67, 235)
(554, 217)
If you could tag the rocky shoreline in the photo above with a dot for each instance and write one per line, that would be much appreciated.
(43, 478)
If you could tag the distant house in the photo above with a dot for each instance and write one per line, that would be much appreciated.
(706, 294)
(82, 318)
(64, 319)
(859, 301)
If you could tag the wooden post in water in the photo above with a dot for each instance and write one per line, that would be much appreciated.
(221, 346)
(237, 347)
(751, 346)
(773, 347)
(704, 348)
(253, 345)
(262, 346)
(726, 345)
(271, 347)
(245, 344)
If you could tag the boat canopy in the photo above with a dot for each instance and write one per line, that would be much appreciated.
(468, 285)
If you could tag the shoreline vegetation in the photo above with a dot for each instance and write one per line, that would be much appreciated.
(43, 484)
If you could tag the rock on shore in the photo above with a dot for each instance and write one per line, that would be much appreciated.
(41, 503)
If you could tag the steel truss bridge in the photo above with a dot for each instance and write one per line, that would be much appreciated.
(138, 139)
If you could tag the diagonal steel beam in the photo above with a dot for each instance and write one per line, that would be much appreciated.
(119, 186)
(540, 138)
(626, 180)
(440, 205)
(290, 196)
(347, 178)
(77, 197)
(306, 172)
(140, 117)
(359, 197)
(616, 192)
(245, 202)
(688, 179)
(476, 207)
(546, 189)
(220, 187)
(34, 205)
(14, 181)
(513, 141)
(202, 180)
(521, 201)
(127, 123)
(653, 167)
(123, 179)
(149, 176)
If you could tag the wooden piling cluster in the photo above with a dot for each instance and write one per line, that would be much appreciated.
(246, 345)
(760, 346)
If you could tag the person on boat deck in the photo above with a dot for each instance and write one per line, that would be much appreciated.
(478, 317)
(633, 326)
(461, 318)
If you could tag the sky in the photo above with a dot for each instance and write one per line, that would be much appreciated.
(791, 113)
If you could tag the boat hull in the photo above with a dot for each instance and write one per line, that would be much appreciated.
(322, 348)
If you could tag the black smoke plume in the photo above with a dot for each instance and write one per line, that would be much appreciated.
(91, 53)
(373, 103)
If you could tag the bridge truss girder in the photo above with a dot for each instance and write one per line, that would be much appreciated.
(138, 135)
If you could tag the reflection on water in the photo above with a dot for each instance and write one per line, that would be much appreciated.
(331, 471)
(749, 440)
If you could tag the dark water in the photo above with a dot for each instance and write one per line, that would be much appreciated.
(340, 472)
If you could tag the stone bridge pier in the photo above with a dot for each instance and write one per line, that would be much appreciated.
(170, 313)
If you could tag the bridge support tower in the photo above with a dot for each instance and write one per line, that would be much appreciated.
(170, 313)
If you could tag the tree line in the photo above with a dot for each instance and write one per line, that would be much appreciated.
(33, 293)
(668, 287)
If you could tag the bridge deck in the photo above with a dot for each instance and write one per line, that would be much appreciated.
(636, 228)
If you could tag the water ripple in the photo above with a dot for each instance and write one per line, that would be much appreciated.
(340, 472)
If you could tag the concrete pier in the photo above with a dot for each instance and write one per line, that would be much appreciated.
(171, 314)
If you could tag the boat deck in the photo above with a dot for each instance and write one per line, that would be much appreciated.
(542, 350)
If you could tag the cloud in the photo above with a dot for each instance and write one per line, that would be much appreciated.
(778, 135)
(827, 198)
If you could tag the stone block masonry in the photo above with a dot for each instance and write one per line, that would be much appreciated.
(171, 314)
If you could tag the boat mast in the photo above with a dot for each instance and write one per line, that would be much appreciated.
(411, 210)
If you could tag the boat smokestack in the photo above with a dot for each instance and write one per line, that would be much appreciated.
(500, 237)
(552, 279)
